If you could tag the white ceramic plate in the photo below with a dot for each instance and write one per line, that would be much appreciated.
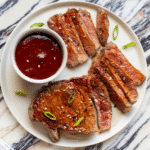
(18, 105)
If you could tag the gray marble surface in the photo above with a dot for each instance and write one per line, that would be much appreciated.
(136, 136)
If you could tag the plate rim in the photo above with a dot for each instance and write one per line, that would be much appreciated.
(66, 3)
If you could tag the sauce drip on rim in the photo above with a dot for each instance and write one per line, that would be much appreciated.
(38, 56)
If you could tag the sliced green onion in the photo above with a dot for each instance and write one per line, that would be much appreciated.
(37, 24)
(71, 98)
(129, 45)
(78, 122)
(115, 31)
(49, 115)
(20, 93)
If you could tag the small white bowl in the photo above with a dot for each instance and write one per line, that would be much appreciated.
(39, 30)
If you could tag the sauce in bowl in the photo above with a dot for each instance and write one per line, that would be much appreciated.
(38, 56)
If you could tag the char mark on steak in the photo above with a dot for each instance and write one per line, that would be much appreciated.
(102, 102)
(102, 26)
(113, 52)
(54, 99)
(89, 25)
(85, 38)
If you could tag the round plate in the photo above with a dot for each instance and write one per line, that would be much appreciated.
(18, 105)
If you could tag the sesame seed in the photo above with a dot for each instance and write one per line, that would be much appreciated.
(124, 78)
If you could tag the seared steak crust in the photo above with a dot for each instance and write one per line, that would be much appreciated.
(54, 98)
(112, 51)
(87, 20)
(126, 79)
(102, 26)
(102, 102)
(119, 82)
(55, 23)
(117, 95)
(66, 20)
(87, 42)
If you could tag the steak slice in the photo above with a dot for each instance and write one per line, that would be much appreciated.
(87, 42)
(102, 26)
(54, 99)
(66, 20)
(126, 79)
(102, 102)
(87, 20)
(112, 51)
(116, 94)
(119, 82)
(56, 24)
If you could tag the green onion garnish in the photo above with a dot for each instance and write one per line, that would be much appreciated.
(47, 114)
(115, 30)
(129, 45)
(37, 24)
(71, 98)
(78, 122)
(20, 93)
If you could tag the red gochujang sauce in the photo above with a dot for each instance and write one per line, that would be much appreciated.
(38, 56)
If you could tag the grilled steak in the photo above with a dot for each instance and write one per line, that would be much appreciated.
(66, 20)
(54, 99)
(102, 26)
(85, 38)
(116, 93)
(112, 51)
(102, 102)
(126, 79)
(87, 20)
(55, 24)
(119, 82)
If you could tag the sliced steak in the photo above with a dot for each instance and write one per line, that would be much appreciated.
(54, 99)
(102, 102)
(73, 35)
(87, 20)
(55, 24)
(87, 42)
(128, 82)
(118, 81)
(102, 26)
(116, 94)
(112, 51)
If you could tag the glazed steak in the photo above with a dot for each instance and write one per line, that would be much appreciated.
(55, 99)
(55, 23)
(112, 81)
(102, 102)
(87, 20)
(102, 26)
(126, 79)
(85, 38)
(112, 51)
(74, 37)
